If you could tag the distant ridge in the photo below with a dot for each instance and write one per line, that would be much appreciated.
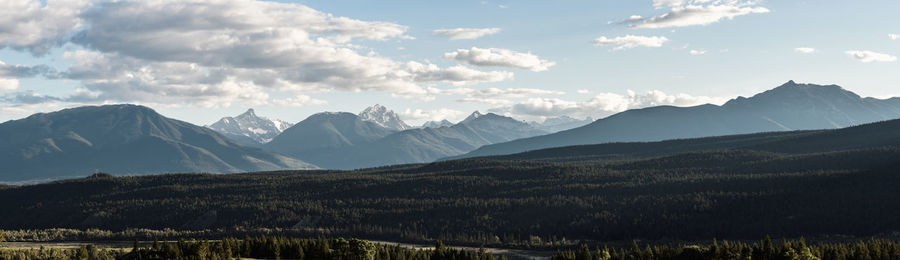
(122, 139)
(387, 147)
(791, 106)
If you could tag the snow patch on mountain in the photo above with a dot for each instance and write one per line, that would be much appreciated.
(249, 129)
(384, 117)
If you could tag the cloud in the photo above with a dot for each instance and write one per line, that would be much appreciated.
(499, 58)
(465, 33)
(31, 25)
(667, 3)
(695, 12)
(631, 41)
(603, 104)
(697, 52)
(7, 84)
(870, 56)
(418, 116)
(894, 36)
(298, 101)
(456, 75)
(215, 53)
(805, 50)
(491, 96)
(583, 91)
(28, 97)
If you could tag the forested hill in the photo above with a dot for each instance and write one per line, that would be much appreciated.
(872, 135)
(723, 194)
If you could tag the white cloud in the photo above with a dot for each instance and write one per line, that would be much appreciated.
(583, 91)
(499, 57)
(465, 33)
(870, 56)
(696, 12)
(8, 84)
(32, 26)
(805, 50)
(667, 3)
(604, 104)
(631, 41)
(894, 36)
(419, 116)
(298, 101)
(456, 75)
(490, 96)
(215, 53)
(697, 52)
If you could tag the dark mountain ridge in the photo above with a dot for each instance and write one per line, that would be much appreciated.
(125, 139)
(791, 106)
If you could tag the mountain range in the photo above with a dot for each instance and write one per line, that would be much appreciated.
(791, 106)
(129, 139)
(347, 141)
(249, 129)
(437, 124)
(122, 139)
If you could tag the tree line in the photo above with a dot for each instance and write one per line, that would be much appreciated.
(261, 247)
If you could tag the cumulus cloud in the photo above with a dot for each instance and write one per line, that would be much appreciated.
(870, 56)
(36, 27)
(805, 50)
(499, 58)
(214, 53)
(631, 41)
(603, 104)
(465, 33)
(695, 12)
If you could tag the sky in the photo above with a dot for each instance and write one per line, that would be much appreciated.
(201, 60)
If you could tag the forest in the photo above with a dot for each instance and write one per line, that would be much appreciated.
(262, 247)
(277, 247)
(725, 194)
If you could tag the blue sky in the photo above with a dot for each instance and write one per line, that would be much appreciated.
(197, 61)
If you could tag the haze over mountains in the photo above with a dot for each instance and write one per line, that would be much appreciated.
(790, 106)
(122, 139)
(347, 141)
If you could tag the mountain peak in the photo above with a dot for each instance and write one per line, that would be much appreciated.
(249, 129)
(382, 116)
(250, 113)
(473, 116)
(436, 124)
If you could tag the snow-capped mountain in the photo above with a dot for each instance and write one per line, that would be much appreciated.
(249, 129)
(382, 116)
(473, 116)
(436, 124)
